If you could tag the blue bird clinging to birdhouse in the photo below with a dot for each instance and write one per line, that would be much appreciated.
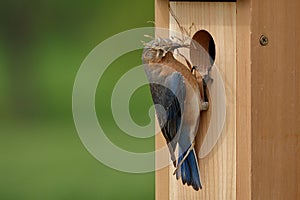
(178, 102)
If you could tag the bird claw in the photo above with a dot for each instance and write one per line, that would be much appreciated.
(207, 79)
(204, 105)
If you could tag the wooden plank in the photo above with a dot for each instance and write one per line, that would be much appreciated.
(275, 99)
(243, 114)
(161, 13)
(267, 105)
(206, 0)
(161, 175)
(218, 169)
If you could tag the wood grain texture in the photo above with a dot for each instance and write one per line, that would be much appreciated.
(161, 176)
(243, 114)
(267, 101)
(218, 169)
(275, 99)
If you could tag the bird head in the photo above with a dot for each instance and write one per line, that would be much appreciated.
(157, 48)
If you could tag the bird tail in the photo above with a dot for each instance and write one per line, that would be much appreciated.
(189, 170)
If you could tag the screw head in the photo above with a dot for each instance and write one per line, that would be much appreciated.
(263, 40)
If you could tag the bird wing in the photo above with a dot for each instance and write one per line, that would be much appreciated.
(168, 95)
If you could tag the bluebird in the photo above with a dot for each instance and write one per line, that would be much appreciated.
(178, 100)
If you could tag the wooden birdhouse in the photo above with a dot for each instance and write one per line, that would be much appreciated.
(255, 45)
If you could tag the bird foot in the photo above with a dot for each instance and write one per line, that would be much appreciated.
(204, 105)
(207, 79)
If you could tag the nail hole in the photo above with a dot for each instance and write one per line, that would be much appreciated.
(203, 50)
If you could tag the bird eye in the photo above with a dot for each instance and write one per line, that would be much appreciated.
(160, 52)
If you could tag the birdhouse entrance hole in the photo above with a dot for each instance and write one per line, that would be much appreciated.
(203, 51)
(203, 54)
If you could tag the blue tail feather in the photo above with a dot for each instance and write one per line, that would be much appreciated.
(188, 171)
(183, 174)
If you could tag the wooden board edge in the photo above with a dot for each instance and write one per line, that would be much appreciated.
(162, 175)
(243, 109)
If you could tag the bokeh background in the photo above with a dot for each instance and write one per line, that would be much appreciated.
(42, 44)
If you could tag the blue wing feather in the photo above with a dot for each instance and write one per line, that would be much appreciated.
(169, 93)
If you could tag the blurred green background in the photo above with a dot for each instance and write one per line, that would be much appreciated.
(42, 44)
